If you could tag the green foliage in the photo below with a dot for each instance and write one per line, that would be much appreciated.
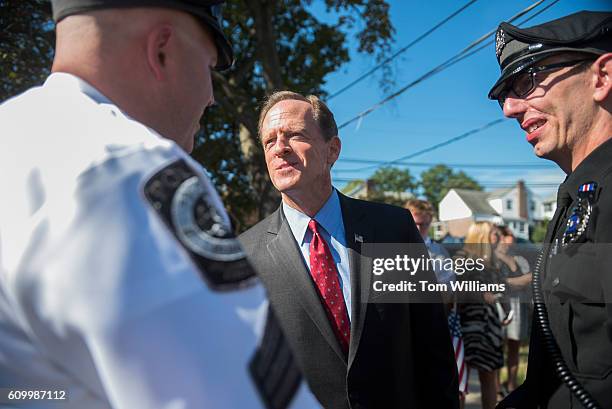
(278, 45)
(352, 185)
(438, 180)
(392, 179)
(27, 40)
(539, 232)
(391, 184)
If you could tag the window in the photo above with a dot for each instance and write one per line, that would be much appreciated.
(531, 206)
(509, 204)
(548, 207)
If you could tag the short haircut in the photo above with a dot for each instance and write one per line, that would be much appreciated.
(320, 112)
(420, 207)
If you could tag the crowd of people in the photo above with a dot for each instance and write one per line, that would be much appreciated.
(492, 324)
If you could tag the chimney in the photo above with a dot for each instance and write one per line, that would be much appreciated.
(522, 199)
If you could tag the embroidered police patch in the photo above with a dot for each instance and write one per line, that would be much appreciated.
(186, 206)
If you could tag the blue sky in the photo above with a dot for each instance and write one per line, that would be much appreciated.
(446, 105)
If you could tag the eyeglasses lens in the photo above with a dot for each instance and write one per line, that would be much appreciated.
(523, 83)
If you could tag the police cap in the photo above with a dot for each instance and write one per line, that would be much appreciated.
(207, 11)
(520, 48)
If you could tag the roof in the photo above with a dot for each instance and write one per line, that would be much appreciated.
(497, 193)
(355, 190)
(550, 199)
(477, 201)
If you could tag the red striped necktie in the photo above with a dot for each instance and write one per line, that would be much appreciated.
(325, 275)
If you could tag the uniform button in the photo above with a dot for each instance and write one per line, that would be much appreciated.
(555, 282)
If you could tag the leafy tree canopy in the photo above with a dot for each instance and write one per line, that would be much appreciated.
(391, 185)
(438, 180)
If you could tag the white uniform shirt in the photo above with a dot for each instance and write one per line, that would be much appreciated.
(97, 296)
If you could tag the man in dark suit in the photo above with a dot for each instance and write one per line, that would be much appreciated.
(353, 354)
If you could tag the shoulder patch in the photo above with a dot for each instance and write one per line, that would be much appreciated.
(185, 203)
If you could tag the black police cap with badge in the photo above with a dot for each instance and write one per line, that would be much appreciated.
(519, 49)
(207, 11)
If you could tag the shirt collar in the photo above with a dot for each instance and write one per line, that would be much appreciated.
(591, 169)
(69, 81)
(329, 217)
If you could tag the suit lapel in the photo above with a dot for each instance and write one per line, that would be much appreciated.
(358, 231)
(287, 255)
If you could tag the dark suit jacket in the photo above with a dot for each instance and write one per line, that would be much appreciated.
(400, 355)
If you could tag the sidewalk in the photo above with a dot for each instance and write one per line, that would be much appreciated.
(472, 401)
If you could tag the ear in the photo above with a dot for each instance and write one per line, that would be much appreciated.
(602, 68)
(333, 150)
(158, 41)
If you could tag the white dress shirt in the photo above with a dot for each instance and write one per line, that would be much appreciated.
(330, 219)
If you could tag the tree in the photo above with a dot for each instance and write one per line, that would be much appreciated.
(27, 41)
(539, 231)
(352, 185)
(278, 45)
(438, 180)
(391, 184)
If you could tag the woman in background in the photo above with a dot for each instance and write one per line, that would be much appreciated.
(480, 322)
(516, 271)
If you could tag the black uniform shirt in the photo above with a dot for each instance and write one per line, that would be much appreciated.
(577, 279)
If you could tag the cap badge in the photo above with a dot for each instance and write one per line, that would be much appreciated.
(500, 42)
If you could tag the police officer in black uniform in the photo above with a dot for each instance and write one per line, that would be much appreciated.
(556, 81)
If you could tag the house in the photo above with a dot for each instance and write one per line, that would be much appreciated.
(517, 207)
(548, 207)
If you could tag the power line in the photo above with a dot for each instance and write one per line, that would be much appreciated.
(491, 184)
(431, 148)
(449, 63)
(402, 50)
(488, 43)
(446, 64)
(526, 165)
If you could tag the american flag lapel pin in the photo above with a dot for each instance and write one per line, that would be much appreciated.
(358, 238)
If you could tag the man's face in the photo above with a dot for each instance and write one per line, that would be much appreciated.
(422, 221)
(557, 113)
(297, 156)
(192, 84)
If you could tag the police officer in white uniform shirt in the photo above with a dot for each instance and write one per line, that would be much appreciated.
(121, 283)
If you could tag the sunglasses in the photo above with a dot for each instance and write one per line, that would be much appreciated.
(525, 82)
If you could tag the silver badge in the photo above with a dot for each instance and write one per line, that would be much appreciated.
(500, 42)
(213, 240)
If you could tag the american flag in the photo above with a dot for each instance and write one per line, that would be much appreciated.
(455, 329)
